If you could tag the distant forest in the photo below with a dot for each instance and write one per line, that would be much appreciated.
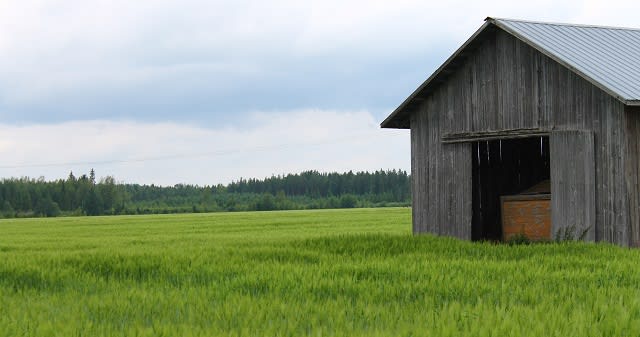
(83, 195)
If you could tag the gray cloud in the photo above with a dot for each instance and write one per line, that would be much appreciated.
(209, 60)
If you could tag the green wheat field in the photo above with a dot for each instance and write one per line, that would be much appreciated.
(356, 272)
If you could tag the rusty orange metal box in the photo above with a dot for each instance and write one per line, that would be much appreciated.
(528, 215)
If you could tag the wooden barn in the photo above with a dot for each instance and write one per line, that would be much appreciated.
(537, 122)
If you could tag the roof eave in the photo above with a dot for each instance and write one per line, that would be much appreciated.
(400, 110)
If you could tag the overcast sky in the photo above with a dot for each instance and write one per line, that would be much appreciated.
(206, 92)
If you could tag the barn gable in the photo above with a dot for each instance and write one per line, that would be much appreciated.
(607, 57)
(477, 122)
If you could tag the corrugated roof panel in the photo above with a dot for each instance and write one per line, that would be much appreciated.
(608, 57)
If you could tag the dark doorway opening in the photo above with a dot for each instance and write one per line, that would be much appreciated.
(504, 167)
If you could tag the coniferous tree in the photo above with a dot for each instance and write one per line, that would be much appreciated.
(92, 177)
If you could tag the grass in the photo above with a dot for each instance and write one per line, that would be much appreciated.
(302, 273)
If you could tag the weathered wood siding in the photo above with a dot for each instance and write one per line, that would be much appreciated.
(441, 180)
(505, 84)
(573, 204)
(632, 172)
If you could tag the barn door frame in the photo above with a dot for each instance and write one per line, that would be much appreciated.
(573, 188)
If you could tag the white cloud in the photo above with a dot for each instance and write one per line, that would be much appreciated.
(608, 13)
(170, 153)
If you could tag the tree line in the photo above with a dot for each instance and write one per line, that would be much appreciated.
(84, 195)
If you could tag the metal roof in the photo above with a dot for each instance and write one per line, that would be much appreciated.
(608, 57)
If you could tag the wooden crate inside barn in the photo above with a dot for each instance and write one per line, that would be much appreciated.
(528, 213)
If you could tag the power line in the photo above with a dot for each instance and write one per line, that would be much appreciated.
(257, 149)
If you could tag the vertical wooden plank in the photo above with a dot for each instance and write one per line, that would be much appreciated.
(632, 173)
(572, 182)
(416, 175)
(441, 175)
(476, 220)
(466, 196)
(487, 83)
